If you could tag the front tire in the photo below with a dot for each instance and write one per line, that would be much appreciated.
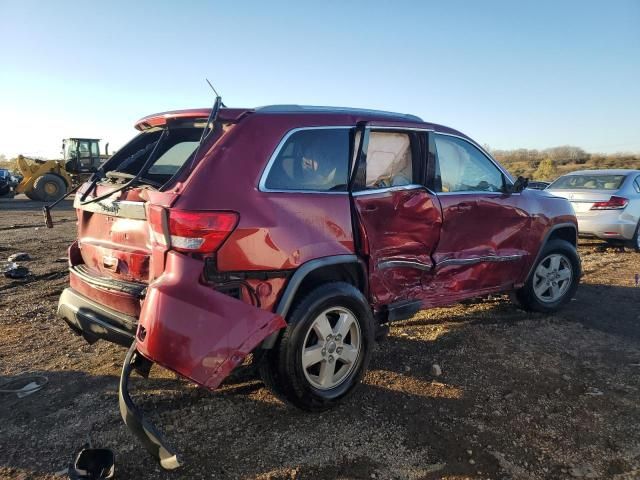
(324, 351)
(553, 280)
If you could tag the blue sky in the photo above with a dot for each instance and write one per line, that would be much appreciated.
(510, 74)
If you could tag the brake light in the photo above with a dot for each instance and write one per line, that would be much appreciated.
(191, 231)
(614, 203)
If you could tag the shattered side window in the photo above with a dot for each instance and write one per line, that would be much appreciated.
(314, 159)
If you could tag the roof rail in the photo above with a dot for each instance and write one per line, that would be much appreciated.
(321, 109)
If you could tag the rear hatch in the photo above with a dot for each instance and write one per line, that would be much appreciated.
(115, 258)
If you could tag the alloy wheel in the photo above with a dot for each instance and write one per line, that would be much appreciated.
(552, 278)
(331, 348)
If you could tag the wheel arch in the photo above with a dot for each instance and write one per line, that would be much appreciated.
(346, 268)
(561, 231)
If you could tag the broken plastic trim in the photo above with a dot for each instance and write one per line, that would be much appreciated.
(133, 417)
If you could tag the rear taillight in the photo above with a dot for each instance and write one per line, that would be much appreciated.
(614, 203)
(191, 231)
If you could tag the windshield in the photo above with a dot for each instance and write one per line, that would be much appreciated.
(588, 182)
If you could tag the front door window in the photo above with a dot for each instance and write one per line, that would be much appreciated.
(462, 167)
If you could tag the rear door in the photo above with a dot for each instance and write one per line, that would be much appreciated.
(399, 219)
(481, 246)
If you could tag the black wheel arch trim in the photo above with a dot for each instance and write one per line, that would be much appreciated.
(547, 235)
(286, 300)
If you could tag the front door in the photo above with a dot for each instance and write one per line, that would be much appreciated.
(399, 218)
(481, 247)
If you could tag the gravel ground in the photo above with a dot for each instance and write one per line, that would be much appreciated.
(520, 395)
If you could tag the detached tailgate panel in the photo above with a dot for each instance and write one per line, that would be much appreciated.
(196, 331)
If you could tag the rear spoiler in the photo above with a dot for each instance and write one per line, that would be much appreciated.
(230, 115)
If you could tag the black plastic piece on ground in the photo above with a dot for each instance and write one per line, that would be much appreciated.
(146, 433)
(93, 464)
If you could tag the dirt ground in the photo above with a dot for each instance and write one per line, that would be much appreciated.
(521, 395)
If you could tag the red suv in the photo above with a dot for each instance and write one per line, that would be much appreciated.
(297, 234)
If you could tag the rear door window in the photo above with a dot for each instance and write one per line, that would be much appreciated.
(390, 160)
(313, 159)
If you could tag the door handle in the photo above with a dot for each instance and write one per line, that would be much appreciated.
(370, 208)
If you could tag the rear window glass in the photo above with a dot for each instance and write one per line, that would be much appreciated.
(312, 159)
(171, 160)
(588, 182)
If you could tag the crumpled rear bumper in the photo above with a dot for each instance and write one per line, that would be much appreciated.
(133, 417)
(193, 330)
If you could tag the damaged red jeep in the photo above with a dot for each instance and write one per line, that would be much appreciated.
(297, 234)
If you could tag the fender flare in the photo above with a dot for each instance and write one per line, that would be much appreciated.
(286, 300)
(552, 229)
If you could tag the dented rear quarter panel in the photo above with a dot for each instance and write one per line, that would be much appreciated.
(192, 329)
(276, 231)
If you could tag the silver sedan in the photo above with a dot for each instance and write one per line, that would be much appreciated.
(606, 202)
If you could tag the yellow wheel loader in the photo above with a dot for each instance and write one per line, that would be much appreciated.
(48, 180)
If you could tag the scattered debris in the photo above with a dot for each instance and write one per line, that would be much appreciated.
(15, 271)
(594, 392)
(583, 472)
(436, 371)
(19, 257)
(94, 464)
(24, 385)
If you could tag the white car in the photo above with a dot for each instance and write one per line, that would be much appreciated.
(606, 202)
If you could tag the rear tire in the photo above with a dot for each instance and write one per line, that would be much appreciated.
(635, 241)
(325, 349)
(49, 187)
(553, 280)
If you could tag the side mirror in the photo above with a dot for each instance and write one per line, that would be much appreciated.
(518, 186)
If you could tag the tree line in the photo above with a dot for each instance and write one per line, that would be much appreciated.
(550, 163)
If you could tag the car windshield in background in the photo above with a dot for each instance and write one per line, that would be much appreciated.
(588, 182)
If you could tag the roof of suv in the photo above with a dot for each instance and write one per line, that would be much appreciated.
(234, 114)
(297, 109)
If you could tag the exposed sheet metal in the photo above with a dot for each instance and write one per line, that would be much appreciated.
(404, 264)
(474, 260)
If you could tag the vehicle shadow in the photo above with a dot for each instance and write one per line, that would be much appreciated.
(608, 308)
